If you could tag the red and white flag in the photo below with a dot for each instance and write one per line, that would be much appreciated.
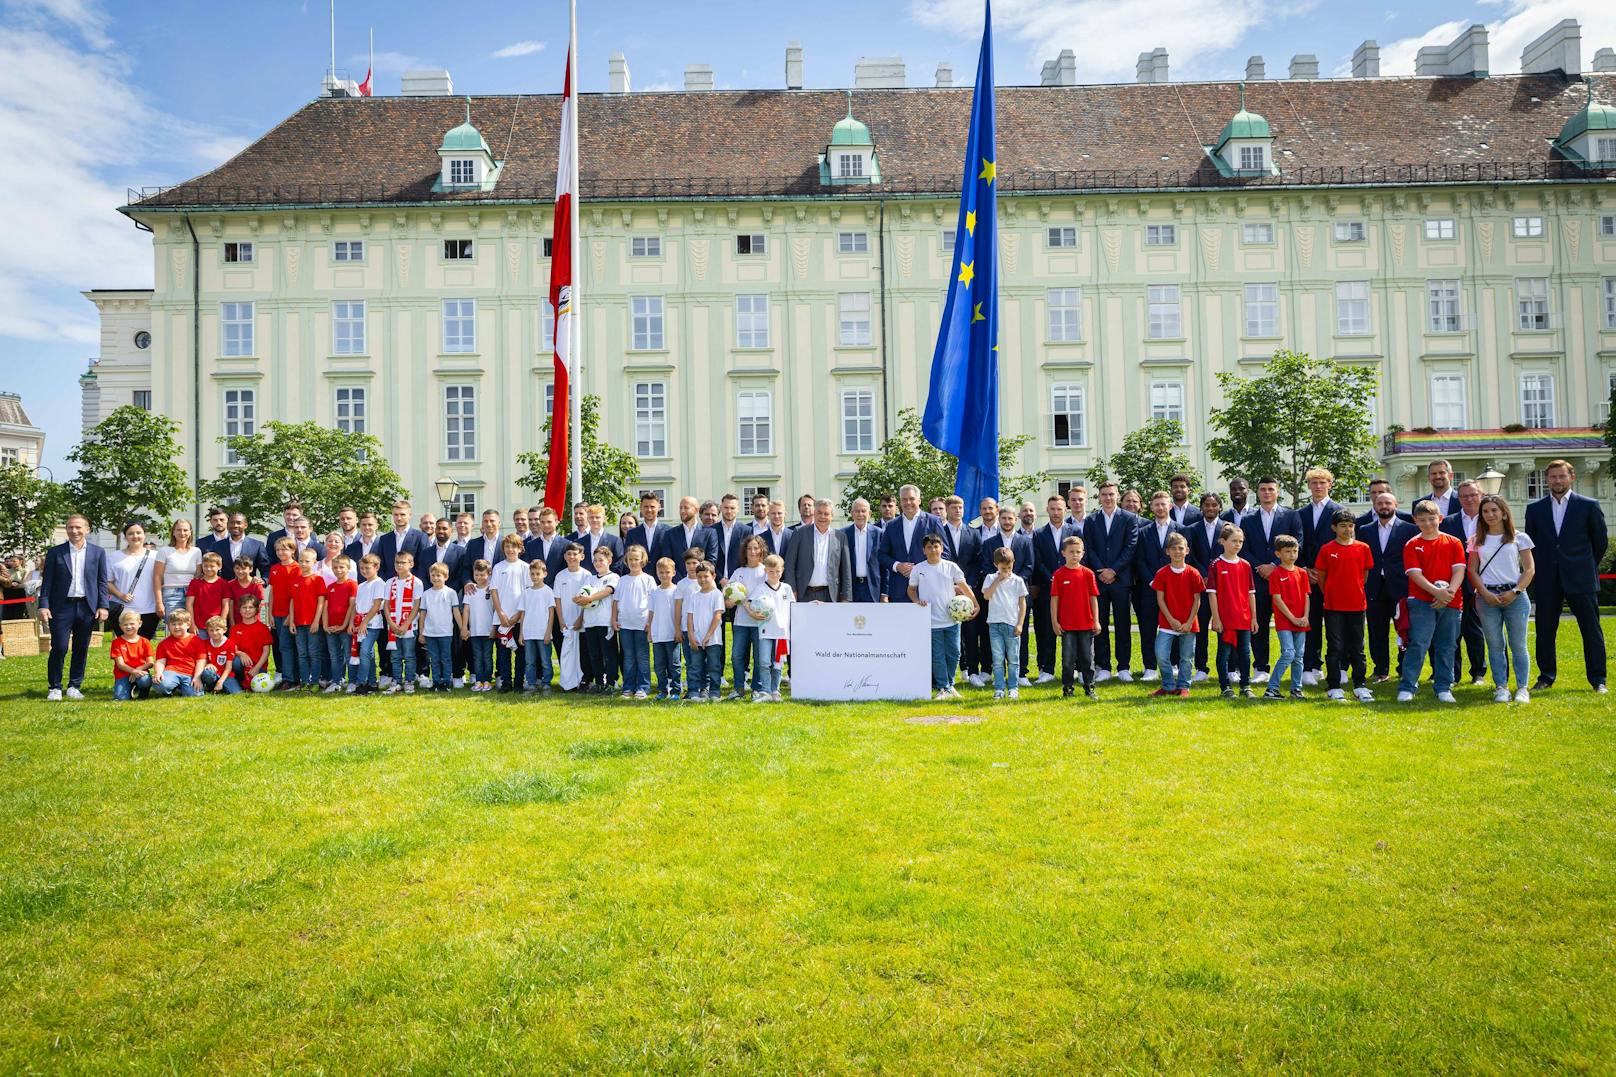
(555, 484)
(364, 87)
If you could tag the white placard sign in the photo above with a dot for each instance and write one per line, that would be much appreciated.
(860, 650)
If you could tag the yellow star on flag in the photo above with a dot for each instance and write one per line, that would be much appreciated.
(967, 271)
(989, 171)
(970, 222)
(978, 316)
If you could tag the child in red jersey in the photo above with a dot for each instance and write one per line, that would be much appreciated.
(180, 658)
(252, 639)
(1232, 594)
(1291, 591)
(1074, 607)
(244, 584)
(1342, 566)
(1435, 564)
(131, 659)
(340, 600)
(308, 610)
(282, 582)
(220, 669)
(1178, 587)
(208, 595)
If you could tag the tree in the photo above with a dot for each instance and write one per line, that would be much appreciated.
(1301, 413)
(30, 509)
(127, 472)
(1148, 458)
(907, 457)
(1610, 425)
(324, 469)
(609, 472)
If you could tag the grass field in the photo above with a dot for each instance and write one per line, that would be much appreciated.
(500, 885)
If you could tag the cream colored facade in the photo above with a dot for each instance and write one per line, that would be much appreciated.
(21, 442)
(122, 373)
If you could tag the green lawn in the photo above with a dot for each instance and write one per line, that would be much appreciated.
(498, 885)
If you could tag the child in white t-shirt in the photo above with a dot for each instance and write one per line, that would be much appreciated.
(538, 620)
(506, 583)
(932, 583)
(479, 627)
(632, 595)
(772, 629)
(569, 615)
(441, 618)
(368, 623)
(744, 635)
(683, 590)
(663, 628)
(703, 614)
(1006, 593)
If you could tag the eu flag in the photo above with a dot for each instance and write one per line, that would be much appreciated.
(962, 412)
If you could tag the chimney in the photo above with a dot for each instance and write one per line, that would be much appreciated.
(1366, 61)
(1061, 71)
(698, 78)
(1605, 60)
(1304, 65)
(1465, 56)
(618, 73)
(945, 74)
(793, 65)
(878, 73)
(1151, 66)
(1560, 49)
(427, 83)
(1256, 70)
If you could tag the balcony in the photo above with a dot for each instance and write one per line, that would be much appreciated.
(1541, 441)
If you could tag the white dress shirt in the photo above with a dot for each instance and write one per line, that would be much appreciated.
(861, 546)
(75, 567)
(1267, 517)
(1385, 529)
(909, 525)
(820, 577)
(1557, 509)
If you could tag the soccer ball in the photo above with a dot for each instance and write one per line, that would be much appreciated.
(588, 589)
(762, 606)
(960, 608)
(263, 682)
(735, 592)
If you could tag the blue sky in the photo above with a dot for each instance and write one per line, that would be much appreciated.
(99, 96)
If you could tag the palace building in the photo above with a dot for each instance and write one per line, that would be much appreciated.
(762, 272)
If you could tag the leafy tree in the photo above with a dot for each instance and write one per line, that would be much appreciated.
(1148, 458)
(907, 457)
(1301, 413)
(610, 473)
(30, 509)
(324, 469)
(1610, 426)
(127, 472)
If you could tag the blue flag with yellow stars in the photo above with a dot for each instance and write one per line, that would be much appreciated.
(962, 412)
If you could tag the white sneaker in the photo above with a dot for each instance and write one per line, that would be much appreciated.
(1152, 675)
(1336, 694)
(1024, 682)
(640, 695)
(1260, 677)
(391, 689)
(1501, 696)
(1445, 697)
(1102, 676)
(351, 689)
(74, 693)
(54, 695)
(941, 696)
(1523, 696)
(330, 688)
(458, 682)
(998, 693)
(1014, 693)
(1045, 678)
(1478, 682)
(953, 693)
(1200, 675)
(1125, 676)
(1364, 695)
(1405, 697)
(423, 681)
(1310, 678)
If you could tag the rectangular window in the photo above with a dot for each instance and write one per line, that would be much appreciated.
(1161, 235)
(1442, 299)
(545, 245)
(348, 250)
(546, 326)
(459, 326)
(752, 244)
(348, 408)
(238, 252)
(1066, 404)
(646, 312)
(1610, 302)
(852, 243)
(645, 247)
(854, 319)
(650, 419)
(1167, 400)
(236, 328)
(1440, 228)
(549, 400)
(1163, 322)
(1448, 406)
(1262, 310)
(141, 398)
(462, 170)
(751, 321)
(1065, 315)
(1537, 400)
(460, 422)
(457, 250)
(945, 243)
(1536, 485)
(10, 457)
(849, 165)
(858, 423)
(750, 492)
(348, 327)
(1349, 231)
(1532, 303)
(1256, 235)
(754, 409)
(1062, 236)
(1602, 409)
(1253, 159)
(1352, 308)
(463, 502)
(240, 418)
(1607, 226)
(1527, 227)
(658, 492)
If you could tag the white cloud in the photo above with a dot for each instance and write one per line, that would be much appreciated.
(1508, 32)
(1397, 57)
(83, 16)
(520, 48)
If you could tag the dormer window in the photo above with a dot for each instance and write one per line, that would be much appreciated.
(849, 166)
(850, 157)
(1253, 159)
(1245, 146)
(465, 161)
(1588, 139)
(462, 171)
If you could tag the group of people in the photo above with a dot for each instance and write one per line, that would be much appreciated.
(430, 603)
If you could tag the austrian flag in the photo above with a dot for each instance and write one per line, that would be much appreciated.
(555, 483)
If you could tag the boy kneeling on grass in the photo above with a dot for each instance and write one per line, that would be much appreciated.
(180, 658)
(131, 659)
(252, 639)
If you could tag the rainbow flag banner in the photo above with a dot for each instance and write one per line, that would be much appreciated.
(1554, 439)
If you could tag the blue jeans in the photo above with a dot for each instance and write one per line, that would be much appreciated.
(1175, 678)
(173, 683)
(536, 665)
(665, 656)
(945, 648)
(691, 685)
(367, 656)
(505, 670)
(706, 670)
(402, 660)
(1240, 651)
(1434, 631)
(286, 649)
(1291, 645)
(439, 652)
(764, 657)
(1497, 622)
(636, 644)
(310, 646)
(135, 687)
(210, 677)
(744, 643)
(1005, 647)
(481, 650)
(337, 647)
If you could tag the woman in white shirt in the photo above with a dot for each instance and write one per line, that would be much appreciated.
(1500, 568)
(176, 566)
(333, 550)
(134, 579)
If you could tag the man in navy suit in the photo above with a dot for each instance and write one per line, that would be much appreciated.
(648, 534)
(483, 546)
(547, 544)
(689, 534)
(1046, 558)
(1109, 538)
(1462, 526)
(1184, 511)
(237, 543)
(863, 548)
(442, 550)
(1569, 540)
(775, 533)
(1150, 557)
(723, 520)
(365, 543)
(900, 543)
(1204, 549)
(1261, 526)
(1239, 493)
(1387, 583)
(1009, 535)
(403, 538)
(72, 599)
(1442, 494)
(291, 512)
(217, 535)
(1317, 531)
(597, 536)
(1376, 487)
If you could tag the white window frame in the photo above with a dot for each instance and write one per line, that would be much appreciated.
(645, 247)
(1352, 308)
(1167, 400)
(1351, 232)
(238, 417)
(646, 323)
(650, 419)
(348, 327)
(1526, 228)
(852, 243)
(141, 398)
(1537, 485)
(854, 320)
(1609, 284)
(1061, 237)
(1537, 400)
(348, 409)
(1064, 315)
(858, 423)
(459, 250)
(750, 492)
(1257, 234)
(546, 325)
(459, 422)
(1068, 411)
(1163, 316)
(236, 328)
(1532, 313)
(945, 242)
(1602, 405)
(459, 326)
(754, 422)
(849, 166)
(462, 171)
(752, 321)
(465, 501)
(750, 243)
(348, 250)
(1444, 306)
(1440, 229)
(1262, 309)
(1161, 235)
(1450, 402)
(1607, 226)
(1253, 158)
(238, 252)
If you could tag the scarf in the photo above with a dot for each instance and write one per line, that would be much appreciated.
(400, 599)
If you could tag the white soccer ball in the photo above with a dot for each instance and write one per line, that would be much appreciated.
(263, 682)
(762, 606)
(735, 592)
(589, 589)
(960, 608)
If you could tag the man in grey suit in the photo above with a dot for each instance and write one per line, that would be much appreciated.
(818, 566)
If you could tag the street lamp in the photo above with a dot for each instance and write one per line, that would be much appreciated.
(1491, 481)
(447, 488)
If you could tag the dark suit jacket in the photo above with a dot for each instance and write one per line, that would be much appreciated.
(1229, 515)
(838, 564)
(1387, 579)
(250, 547)
(481, 549)
(1020, 545)
(1315, 536)
(1202, 552)
(355, 551)
(1369, 517)
(1259, 548)
(208, 544)
(652, 541)
(1150, 556)
(729, 556)
(534, 551)
(702, 538)
(893, 550)
(1046, 555)
(1454, 525)
(965, 556)
(872, 556)
(1188, 514)
(772, 546)
(1567, 562)
(1113, 551)
(607, 539)
(57, 577)
(388, 547)
(1447, 504)
(454, 558)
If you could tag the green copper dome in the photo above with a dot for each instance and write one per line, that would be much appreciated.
(850, 132)
(1592, 117)
(1244, 124)
(465, 138)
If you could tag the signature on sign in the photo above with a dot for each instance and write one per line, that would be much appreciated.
(862, 683)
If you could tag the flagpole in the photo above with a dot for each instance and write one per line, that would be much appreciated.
(333, 68)
(575, 349)
(370, 63)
